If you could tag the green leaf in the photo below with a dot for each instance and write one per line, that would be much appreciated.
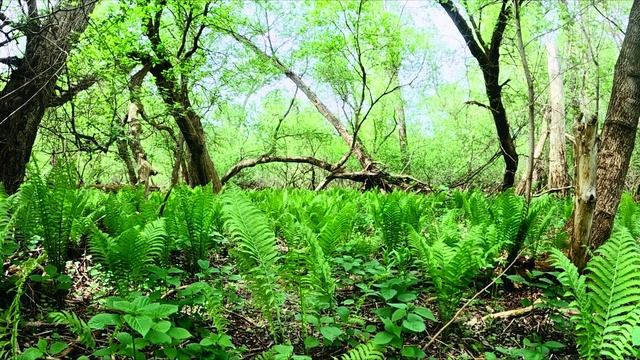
(100, 321)
(310, 342)
(31, 354)
(162, 326)
(425, 313)
(413, 352)
(388, 294)
(414, 323)
(635, 336)
(124, 338)
(383, 338)
(398, 314)
(179, 333)
(141, 324)
(553, 344)
(57, 347)
(407, 297)
(158, 311)
(157, 337)
(42, 343)
(330, 332)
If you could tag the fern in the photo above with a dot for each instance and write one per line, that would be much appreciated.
(51, 209)
(607, 298)
(191, 223)
(392, 223)
(78, 326)
(450, 268)
(256, 252)
(336, 230)
(128, 256)
(368, 351)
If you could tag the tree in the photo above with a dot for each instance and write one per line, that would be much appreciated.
(558, 173)
(31, 87)
(618, 135)
(488, 57)
(174, 91)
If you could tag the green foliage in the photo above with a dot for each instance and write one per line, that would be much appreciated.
(128, 255)
(256, 251)
(368, 351)
(78, 326)
(607, 298)
(11, 317)
(192, 222)
(53, 209)
(450, 267)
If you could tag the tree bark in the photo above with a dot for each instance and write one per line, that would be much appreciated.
(558, 172)
(531, 104)
(488, 57)
(585, 153)
(619, 131)
(402, 126)
(175, 95)
(538, 163)
(30, 88)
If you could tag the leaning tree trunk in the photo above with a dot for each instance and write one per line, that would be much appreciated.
(30, 88)
(558, 176)
(619, 131)
(175, 95)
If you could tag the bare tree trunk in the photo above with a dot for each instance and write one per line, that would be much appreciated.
(402, 125)
(175, 95)
(619, 131)
(538, 163)
(558, 172)
(585, 153)
(30, 88)
(488, 57)
(531, 105)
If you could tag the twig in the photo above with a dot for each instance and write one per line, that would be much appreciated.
(512, 313)
(457, 314)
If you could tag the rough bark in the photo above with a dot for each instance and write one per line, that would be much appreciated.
(175, 95)
(488, 57)
(585, 153)
(125, 156)
(30, 88)
(558, 172)
(619, 131)
(538, 163)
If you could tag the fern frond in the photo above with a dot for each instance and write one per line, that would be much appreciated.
(78, 326)
(368, 351)
(255, 250)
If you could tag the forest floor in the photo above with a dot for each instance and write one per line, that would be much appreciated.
(474, 333)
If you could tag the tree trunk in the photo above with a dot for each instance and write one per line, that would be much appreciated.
(531, 104)
(176, 96)
(619, 131)
(398, 105)
(29, 90)
(558, 176)
(585, 152)
(488, 57)
(538, 163)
